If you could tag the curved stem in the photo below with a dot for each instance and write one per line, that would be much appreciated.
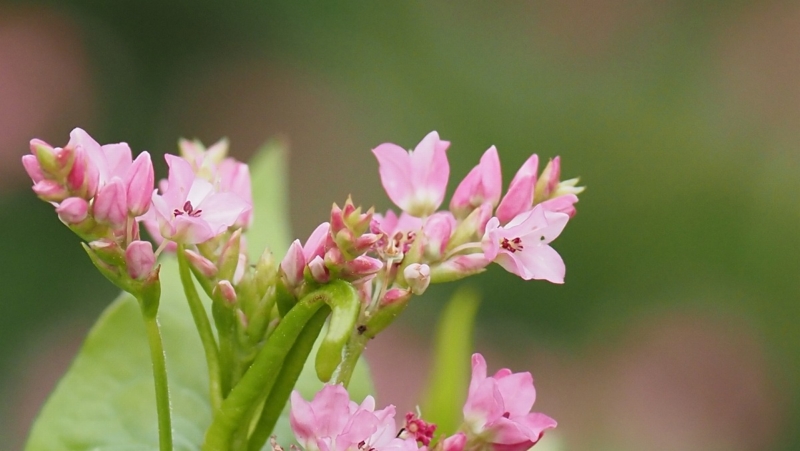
(160, 379)
(203, 328)
(351, 355)
(290, 372)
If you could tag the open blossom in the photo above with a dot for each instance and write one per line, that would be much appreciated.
(497, 413)
(415, 180)
(332, 422)
(522, 245)
(190, 210)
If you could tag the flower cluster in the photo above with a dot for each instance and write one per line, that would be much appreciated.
(357, 271)
(497, 416)
(391, 257)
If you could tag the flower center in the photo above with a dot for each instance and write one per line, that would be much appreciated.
(188, 210)
(512, 245)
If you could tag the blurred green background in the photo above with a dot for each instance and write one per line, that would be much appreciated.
(679, 325)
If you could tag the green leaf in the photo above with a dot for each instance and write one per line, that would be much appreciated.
(449, 379)
(106, 401)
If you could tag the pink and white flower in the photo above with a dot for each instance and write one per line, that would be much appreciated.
(415, 180)
(190, 210)
(497, 414)
(522, 245)
(332, 422)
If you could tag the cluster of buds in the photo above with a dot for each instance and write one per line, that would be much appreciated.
(101, 193)
(497, 415)
(391, 257)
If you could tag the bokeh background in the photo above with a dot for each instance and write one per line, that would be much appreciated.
(679, 325)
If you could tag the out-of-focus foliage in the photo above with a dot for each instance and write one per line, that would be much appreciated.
(680, 116)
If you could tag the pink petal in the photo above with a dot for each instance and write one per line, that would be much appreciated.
(518, 392)
(394, 167)
(483, 184)
(519, 197)
(541, 262)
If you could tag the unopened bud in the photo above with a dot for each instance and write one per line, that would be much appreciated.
(292, 265)
(548, 181)
(229, 258)
(225, 290)
(56, 162)
(203, 265)
(139, 259)
(359, 268)
(50, 191)
(458, 267)
(110, 205)
(418, 277)
(84, 177)
(109, 252)
(33, 168)
(73, 210)
(319, 272)
(139, 185)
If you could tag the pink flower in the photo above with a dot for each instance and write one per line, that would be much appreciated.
(415, 180)
(483, 184)
(332, 422)
(519, 197)
(522, 245)
(190, 210)
(234, 177)
(498, 414)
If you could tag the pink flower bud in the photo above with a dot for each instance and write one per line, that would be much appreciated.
(73, 210)
(56, 162)
(139, 259)
(561, 204)
(202, 264)
(139, 182)
(315, 244)
(84, 177)
(360, 267)
(454, 442)
(226, 291)
(519, 197)
(319, 271)
(483, 184)
(110, 205)
(50, 191)
(395, 296)
(418, 277)
(293, 264)
(33, 168)
(458, 267)
(548, 181)
(437, 231)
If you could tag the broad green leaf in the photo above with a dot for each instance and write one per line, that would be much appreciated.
(449, 379)
(106, 400)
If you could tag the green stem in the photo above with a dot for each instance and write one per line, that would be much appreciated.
(351, 355)
(203, 328)
(290, 372)
(160, 379)
(262, 374)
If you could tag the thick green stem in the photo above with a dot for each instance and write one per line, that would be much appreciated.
(203, 328)
(261, 376)
(351, 355)
(160, 379)
(290, 372)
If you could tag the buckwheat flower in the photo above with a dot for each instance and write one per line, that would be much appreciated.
(234, 177)
(332, 422)
(190, 210)
(483, 184)
(519, 197)
(73, 210)
(415, 180)
(522, 245)
(497, 413)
